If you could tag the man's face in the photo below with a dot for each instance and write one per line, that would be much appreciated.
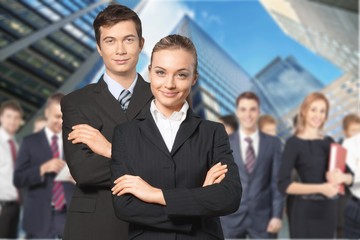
(54, 117)
(10, 120)
(248, 114)
(120, 47)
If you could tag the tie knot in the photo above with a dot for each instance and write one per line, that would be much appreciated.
(54, 137)
(248, 140)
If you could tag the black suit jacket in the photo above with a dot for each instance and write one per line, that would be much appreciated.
(191, 211)
(34, 151)
(91, 214)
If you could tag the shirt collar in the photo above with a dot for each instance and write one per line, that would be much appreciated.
(50, 134)
(254, 136)
(4, 135)
(115, 88)
(176, 116)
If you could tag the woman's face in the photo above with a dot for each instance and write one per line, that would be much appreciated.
(171, 75)
(316, 114)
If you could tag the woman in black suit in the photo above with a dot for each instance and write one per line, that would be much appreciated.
(160, 160)
(313, 213)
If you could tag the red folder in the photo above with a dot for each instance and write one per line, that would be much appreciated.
(337, 159)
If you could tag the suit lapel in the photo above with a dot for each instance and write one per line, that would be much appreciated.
(44, 144)
(150, 131)
(108, 103)
(187, 127)
(261, 152)
(141, 95)
(237, 153)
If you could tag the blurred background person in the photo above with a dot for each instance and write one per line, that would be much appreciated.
(351, 125)
(267, 124)
(313, 214)
(39, 124)
(352, 207)
(11, 115)
(230, 123)
(40, 158)
(258, 157)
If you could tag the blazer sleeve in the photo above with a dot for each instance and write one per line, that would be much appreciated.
(277, 197)
(214, 200)
(131, 209)
(86, 167)
(288, 161)
(26, 173)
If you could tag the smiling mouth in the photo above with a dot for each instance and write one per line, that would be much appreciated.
(169, 94)
(121, 61)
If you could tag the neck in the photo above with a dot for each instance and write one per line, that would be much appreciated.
(310, 132)
(125, 79)
(248, 131)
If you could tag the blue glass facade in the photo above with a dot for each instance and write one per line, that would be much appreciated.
(221, 79)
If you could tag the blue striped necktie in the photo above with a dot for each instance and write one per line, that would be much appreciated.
(124, 99)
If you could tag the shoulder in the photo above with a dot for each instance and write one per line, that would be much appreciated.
(33, 138)
(82, 94)
(209, 125)
(267, 137)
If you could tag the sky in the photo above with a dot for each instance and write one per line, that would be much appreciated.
(242, 28)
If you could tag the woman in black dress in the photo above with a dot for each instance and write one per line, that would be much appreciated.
(313, 214)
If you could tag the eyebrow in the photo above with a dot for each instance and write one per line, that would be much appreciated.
(130, 35)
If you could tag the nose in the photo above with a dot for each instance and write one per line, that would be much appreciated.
(120, 48)
(169, 82)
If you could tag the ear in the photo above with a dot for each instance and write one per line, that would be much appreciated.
(46, 113)
(98, 49)
(142, 42)
(195, 79)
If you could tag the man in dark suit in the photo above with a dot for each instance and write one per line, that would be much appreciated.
(90, 115)
(40, 158)
(258, 157)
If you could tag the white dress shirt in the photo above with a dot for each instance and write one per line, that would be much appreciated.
(168, 127)
(8, 192)
(115, 88)
(244, 144)
(49, 134)
(353, 161)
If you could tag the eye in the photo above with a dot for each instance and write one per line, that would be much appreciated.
(109, 41)
(129, 40)
(183, 75)
(160, 73)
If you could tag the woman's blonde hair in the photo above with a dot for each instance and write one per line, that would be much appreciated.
(304, 108)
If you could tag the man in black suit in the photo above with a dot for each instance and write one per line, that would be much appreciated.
(40, 158)
(258, 157)
(90, 115)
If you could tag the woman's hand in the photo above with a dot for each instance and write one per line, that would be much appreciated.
(338, 177)
(330, 190)
(215, 175)
(136, 186)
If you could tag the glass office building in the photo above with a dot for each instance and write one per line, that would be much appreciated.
(221, 79)
(326, 27)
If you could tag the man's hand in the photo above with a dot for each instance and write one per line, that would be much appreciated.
(136, 186)
(216, 174)
(274, 225)
(53, 165)
(83, 133)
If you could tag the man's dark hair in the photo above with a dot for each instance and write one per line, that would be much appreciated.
(113, 14)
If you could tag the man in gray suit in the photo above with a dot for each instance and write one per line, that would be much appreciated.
(258, 157)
